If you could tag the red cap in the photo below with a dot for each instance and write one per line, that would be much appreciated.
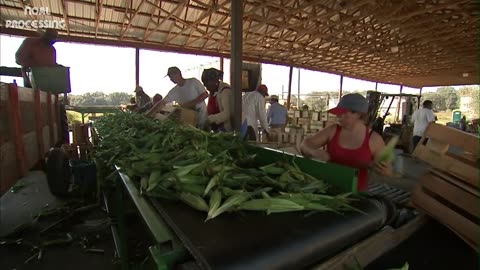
(263, 89)
(338, 111)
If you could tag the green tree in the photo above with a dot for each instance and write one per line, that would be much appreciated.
(317, 101)
(450, 95)
(99, 98)
(437, 99)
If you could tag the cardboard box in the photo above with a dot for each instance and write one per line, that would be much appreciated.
(305, 114)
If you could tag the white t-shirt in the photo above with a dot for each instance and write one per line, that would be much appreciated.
(421, 118)
(189, 91)
(253, 109)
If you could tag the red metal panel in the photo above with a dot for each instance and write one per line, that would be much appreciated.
(39, 124)
(17, 129)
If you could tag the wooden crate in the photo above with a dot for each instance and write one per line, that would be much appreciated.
(449, 192)
(306, 114)
(463, 165)
(324, 116)
(451, 202)
(297, 114)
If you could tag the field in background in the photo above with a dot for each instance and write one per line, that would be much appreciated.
(444, 117)
(75, 117)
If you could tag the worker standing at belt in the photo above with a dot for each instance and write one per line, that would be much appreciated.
(351, 142)
(253, 106)
(220, 100)
(189, 93)
(37, 52)
(141, 98)
(277, 114)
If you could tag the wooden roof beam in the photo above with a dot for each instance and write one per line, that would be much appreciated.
(65, 15)
(130, 20)
(155, 7)
(98, 13)
(176, 9)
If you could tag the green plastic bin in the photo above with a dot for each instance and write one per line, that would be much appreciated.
(51, 79)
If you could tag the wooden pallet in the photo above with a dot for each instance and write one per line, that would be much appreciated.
(449, 192)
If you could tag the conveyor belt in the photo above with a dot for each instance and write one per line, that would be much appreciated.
(395, 195)
(252, 240)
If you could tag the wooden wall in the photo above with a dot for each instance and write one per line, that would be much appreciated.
(29, 121)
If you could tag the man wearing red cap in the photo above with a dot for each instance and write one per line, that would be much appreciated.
(253, 107)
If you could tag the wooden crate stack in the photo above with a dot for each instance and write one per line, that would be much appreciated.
(311, 121)
(449, 191)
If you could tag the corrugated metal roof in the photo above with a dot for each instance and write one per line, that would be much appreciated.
(414, 43)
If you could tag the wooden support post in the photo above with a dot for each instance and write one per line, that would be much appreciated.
(39, 124)
(298, 90)
(17, 130)
(289, 95)
(221, 63)
(419, 98)
(236, 60)
(137, 67)
(376, 86)
(397, 116)
(341, 88)
(50, 119)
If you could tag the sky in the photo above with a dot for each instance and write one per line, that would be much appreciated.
(112, 69)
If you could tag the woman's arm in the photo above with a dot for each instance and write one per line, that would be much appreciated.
(310, 145)
(376, 146)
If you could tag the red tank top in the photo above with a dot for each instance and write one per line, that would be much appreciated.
(358, 158)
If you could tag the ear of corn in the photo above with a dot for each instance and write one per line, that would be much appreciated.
(211, 184)
(182, 171)
(193, 179)
(388, 152)
(194, 201)
(272, 205)
(154, 179)
(191, 188)
(230, 203)
(215, 201)
(272, 169)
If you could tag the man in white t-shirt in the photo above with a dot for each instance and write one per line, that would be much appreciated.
(189, 93)
(253, 110)
(421, 118)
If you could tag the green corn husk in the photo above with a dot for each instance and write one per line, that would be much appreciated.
(215, 201)
(271, 205)
(154, 180)
(388, 153)
(194, 201)
(230, 203)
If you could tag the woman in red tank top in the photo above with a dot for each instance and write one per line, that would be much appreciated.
(351, 142)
